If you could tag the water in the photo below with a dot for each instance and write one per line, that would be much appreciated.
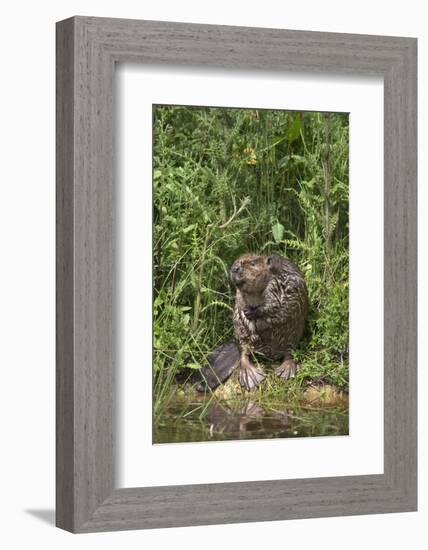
(208, 419)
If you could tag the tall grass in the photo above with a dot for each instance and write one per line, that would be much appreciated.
(230, 181)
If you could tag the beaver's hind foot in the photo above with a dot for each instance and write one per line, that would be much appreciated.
(287, 369)
(250, 376)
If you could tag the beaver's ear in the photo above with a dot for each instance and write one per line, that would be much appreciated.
(274, 263)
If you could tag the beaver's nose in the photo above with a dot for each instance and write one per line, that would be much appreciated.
(236, 268)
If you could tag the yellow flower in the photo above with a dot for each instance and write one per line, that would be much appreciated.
(252, 157)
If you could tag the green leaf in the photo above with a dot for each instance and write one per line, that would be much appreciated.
(189, 228)
(284, 161)
(194, 366)
(294, 130)
(278, 232)
(276, 141)
(186, 319)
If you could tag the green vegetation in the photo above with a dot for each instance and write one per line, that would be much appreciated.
(230, 181)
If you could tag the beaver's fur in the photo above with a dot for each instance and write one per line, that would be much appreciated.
(269, 315)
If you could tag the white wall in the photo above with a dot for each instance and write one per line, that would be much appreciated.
(27, 270)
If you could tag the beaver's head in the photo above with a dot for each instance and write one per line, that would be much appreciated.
(251, 273)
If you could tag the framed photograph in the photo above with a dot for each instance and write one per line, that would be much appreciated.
(236, 274)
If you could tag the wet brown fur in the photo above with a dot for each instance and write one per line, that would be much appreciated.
(271, 305)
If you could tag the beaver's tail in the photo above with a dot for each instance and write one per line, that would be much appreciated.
(221, 363)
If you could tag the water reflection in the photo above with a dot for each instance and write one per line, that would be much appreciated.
(216, 420)
(245, 421)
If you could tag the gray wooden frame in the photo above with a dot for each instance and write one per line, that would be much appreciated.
(87, 50)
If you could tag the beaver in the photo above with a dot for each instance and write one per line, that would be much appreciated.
(271, 305)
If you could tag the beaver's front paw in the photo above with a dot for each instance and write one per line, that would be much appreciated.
(255, 340)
